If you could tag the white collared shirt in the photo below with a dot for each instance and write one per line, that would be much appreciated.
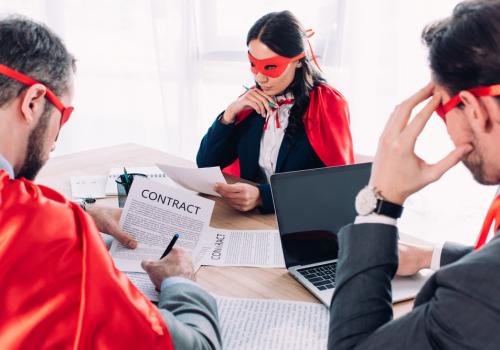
(5, 165)
(272, 137)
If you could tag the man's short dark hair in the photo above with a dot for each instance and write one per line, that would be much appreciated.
(34, 50)
(464, 50)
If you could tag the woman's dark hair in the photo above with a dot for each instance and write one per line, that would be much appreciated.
(464, 50)
(283, 33)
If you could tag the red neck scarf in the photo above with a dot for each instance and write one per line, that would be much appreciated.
(281, 102)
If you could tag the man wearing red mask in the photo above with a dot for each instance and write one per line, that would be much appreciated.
(59, 286)
(459, 306)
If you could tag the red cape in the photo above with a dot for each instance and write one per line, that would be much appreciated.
(59, 286)
(326, 123)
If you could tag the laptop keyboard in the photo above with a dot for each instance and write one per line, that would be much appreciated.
(322, 276)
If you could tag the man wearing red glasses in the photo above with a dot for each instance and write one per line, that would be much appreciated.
(459, 306)
(59, 287)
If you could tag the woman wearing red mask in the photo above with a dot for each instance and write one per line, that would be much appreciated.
(291, 120)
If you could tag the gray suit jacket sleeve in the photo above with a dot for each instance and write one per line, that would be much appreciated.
(191, 317)
(448, 312)
(452, 252)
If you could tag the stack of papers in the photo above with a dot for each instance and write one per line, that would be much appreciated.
(249, 324)
(88, 186)
(200, 180)
(251, 248)
(195, 179)
(152, 172)
(152, 215)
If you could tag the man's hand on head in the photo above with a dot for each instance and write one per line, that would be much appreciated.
(397, 172)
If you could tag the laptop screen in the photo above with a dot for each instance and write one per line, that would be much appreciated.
(311, 207)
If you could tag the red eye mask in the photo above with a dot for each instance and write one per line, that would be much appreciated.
(272, 67)
(493, 90)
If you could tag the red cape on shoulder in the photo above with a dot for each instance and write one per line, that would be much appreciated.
(60, 288)
(326, 123)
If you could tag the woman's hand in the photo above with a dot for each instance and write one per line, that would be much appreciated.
(240, 196)
(397, 172)
(254, 99)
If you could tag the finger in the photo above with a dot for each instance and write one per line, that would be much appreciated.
(146, 264)
(227, 194)
(418, 123)
(236, 207)
(267, 97)
(232, 195)
(229, 188)
(262, 105)
(122, 237)
(401, 115)
(264, 100)
(242, 202)
(261, 108)
(437, 170)
(253, 105)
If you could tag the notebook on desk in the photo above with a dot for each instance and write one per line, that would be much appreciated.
(152, 172)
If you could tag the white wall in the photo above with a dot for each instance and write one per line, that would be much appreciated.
(158, 72)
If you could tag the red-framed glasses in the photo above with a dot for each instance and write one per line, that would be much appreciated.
(493, 90)
(26, 80)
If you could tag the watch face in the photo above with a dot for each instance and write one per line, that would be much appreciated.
(366, 201)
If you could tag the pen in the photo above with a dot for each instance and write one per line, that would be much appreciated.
(125, 175)
(270, 103)
(170, 246)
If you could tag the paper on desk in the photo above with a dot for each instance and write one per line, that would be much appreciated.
(144, 284)
(251, 324)
(196, 179)
(88, 186)
(152, 215)
(151, 172)
(255, 248)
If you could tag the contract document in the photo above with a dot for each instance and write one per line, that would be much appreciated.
(152, 215)
(256, 324)
(195, 179)
(144, 284)
(252, 248)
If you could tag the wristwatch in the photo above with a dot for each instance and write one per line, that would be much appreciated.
(83, 202)
(370, 201)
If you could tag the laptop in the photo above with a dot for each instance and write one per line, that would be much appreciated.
(311, 207)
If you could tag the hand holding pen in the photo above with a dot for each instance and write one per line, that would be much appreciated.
(252, 98)
(170, 246)
(176, 263)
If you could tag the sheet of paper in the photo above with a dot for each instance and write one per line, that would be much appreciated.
(255, 248)
(152, 172)
(250, 324)
(88, 186)
(195, 179)
(152, 215)
(144, 284)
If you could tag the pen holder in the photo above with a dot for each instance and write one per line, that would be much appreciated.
(123, 187)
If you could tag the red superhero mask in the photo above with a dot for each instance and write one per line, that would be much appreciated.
(28, 81)
(274, 66)
(493, 90)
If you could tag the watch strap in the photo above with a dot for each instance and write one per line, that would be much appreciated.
(389, 209)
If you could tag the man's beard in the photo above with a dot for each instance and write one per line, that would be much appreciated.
(34, 161)
(475, 162)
